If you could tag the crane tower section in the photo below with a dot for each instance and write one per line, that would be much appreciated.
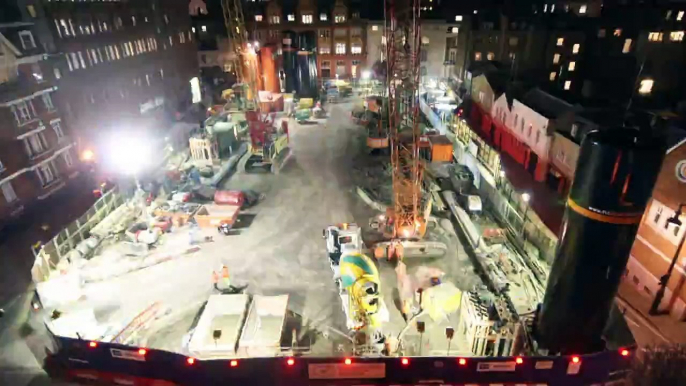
(245, 62)
(403, 45)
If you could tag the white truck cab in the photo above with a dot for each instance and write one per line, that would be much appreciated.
(340, 238)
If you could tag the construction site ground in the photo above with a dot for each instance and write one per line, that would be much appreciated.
(276, 248)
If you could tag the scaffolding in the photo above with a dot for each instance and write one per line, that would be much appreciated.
(403, 44)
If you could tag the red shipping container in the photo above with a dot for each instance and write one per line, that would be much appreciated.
(229, 197)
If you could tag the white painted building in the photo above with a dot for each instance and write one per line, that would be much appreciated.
(527, 125)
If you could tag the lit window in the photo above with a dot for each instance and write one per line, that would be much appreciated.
(646, 86)
(575, 129)
(375, 28)
(458, 18)
(477, 56)
(356, 49)
(133, 20)
(83, 62)
(655, 36)
(340, 48)
(454, 30)
(582, 9)
(204, 28)
(325, 50)
(676, 36)
(490, 56)
(258, 17)
(8, 192)
(339, 19)
(618, 32)
(560, 41)
(575, 48)
(572, 66)
(556, 58)
(627, 46)
(568, 84)
(23, 112)
(291, 17)
(67, 159)
(274, 20)
(323, 17)
(193, 29)
(307, 19)
(27, 41)
(553, 75)
(679, 16)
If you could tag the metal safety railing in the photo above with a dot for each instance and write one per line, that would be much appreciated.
(48, 255)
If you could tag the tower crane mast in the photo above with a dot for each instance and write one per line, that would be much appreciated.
(403, 45)
(245, 61)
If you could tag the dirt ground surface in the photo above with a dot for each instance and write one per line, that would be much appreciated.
(276, 248)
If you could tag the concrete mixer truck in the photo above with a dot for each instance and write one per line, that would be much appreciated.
(357, 279)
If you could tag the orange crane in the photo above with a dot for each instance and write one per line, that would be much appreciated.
(245, 62)
(403, 45)
(267, 144)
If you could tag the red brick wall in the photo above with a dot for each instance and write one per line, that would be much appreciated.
(655, 247)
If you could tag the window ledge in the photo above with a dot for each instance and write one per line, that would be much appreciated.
(22, 124)
(38, 155)
(52, 183)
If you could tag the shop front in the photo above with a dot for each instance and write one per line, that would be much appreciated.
(482, 151)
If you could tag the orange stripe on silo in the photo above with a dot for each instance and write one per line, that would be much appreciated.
(614, 218)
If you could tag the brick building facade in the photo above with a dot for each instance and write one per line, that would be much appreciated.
(37, 155)
(657, 240)
(75, 75)
(126, 65)
(341, 43)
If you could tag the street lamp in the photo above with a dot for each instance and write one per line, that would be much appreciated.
(526, 197)
(654, 308)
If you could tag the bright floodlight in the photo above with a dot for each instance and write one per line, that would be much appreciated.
(130, 154)
(87, 155)
(366, 74)
(526, 197)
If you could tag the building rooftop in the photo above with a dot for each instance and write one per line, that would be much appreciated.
(546, 104)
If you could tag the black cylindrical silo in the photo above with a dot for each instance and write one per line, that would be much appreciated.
(615, 175)
(289, 62)
(307, 64)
